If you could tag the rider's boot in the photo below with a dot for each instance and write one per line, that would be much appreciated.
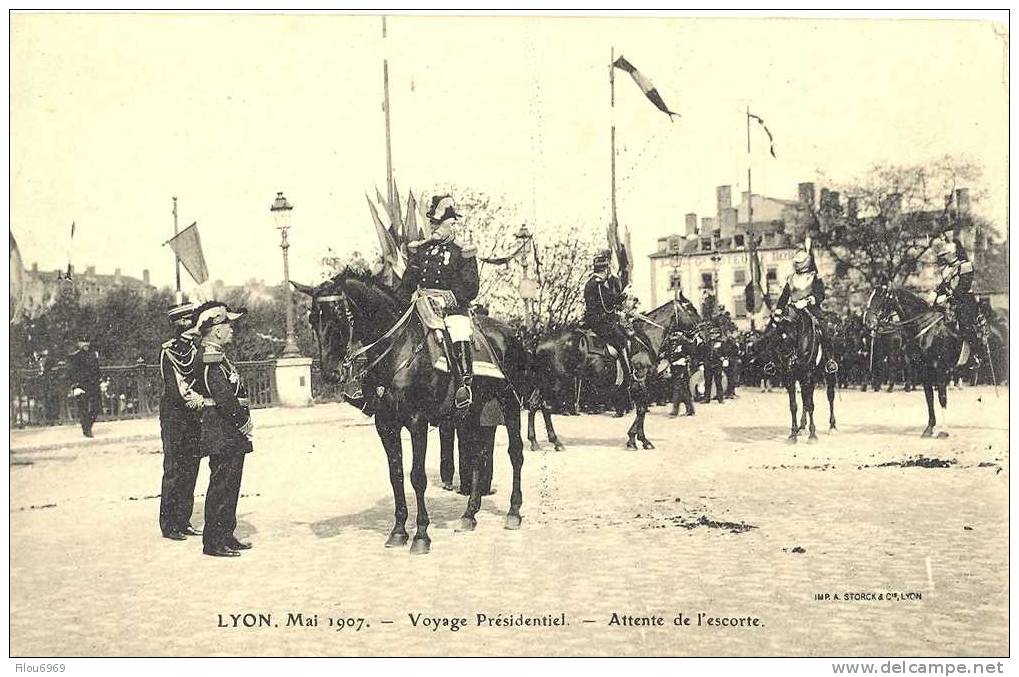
(462, 353)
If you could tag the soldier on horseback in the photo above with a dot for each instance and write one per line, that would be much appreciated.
(955, 292)
(603, 303)
(447, 271)
(804, 292)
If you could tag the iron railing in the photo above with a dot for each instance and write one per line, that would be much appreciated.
(40, 397)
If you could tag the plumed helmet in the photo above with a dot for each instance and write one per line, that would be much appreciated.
(801, 261)
(947, 252)
(442, 208)
(212, 313)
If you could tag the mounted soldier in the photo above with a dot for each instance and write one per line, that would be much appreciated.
(603, 303)
(445, 270)
(954, 291)
(804, 292)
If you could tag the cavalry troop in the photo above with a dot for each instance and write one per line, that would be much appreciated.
(410, 351)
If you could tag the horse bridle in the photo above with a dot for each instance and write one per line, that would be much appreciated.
(329, 299)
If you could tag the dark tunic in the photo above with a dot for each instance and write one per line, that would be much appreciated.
(226, 419)
(180, 430)
(446, 266)
(603, 298)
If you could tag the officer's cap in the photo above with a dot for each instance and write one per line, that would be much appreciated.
(181, 315)
(442, 208)
(211, 313)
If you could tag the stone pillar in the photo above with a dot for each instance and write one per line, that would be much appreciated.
(293, 381)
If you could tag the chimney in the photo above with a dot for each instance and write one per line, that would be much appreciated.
(116, 275)
(853, 207)
(728, 226)
(691, 224)
(806, 192)
(824, 202)
(724, 199)
(145, 276)
(708, 224)
(91, 270)
(35, 267)
(962, 201)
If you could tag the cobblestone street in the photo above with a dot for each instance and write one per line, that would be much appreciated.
(723, 519)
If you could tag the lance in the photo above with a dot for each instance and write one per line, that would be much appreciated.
(990, 364)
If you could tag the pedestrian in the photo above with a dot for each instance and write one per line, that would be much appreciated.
(226, 429)
(180, 421)
(679, 356)
(83, 372)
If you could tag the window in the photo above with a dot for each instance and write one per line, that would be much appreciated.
(675, 281)
(739, 277)
(707, 281)
(674, 243)
(741, 308)
(706, 245)
(772, 274)
(739, 241)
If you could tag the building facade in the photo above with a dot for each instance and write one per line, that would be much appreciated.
(42, 287)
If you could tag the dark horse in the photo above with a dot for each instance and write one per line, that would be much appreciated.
(931, 346)
(355, 309)
(794, 348)
(564, 361)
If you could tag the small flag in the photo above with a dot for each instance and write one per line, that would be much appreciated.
(72, 230)
(771, 139)
(645, 86)
(411, 230)
(390, 250)
(187, 246)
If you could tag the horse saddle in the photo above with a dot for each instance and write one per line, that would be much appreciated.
(592, 344)
(440, 350)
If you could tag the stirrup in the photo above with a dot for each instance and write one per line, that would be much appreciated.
(463, 397)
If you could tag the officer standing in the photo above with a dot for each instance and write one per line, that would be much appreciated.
(83, 372)
(679, 356)
(447, 270)
(180, 420)
(225, 430)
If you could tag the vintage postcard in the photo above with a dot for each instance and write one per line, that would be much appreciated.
(501, 335)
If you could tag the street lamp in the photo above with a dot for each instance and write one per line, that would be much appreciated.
(280, 210)
(716, 259)
(528, 290)
(674, 282)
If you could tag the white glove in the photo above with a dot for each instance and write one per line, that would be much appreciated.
(801, 304)
(77, 392)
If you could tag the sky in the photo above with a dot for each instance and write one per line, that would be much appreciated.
(112, 115)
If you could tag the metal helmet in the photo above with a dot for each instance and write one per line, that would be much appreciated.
(947, 253)
(801, 261)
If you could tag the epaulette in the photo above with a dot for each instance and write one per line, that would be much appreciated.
(965, 267)
(212, 355)
(415, 244)
(168, 344)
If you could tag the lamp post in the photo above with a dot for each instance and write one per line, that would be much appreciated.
(528, 291)
(674, 281)
(280, 210)
(716, 259)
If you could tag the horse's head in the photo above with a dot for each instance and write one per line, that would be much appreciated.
(878, 306)
(332, 319)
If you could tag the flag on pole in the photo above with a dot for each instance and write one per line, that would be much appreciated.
(187, 247)
(411, 231)
(17, 289)
(390, 250)
(771, 139)
(645, 86)
(70, 246)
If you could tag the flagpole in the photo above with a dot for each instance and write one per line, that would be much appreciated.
(755, 272)
(178, 296)
(612, 106)
(390, 184)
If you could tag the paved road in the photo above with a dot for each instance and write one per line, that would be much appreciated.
(723, 519)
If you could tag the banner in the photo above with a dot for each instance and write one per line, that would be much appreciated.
(187, 246)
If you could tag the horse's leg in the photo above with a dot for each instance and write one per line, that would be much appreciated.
(447, 467)
(631, 435)
(807, 391)
(830, 385)
(419, 480)
(471, 430)
(532, 436)
(790, 386)
(511, 415)
(389, 433)
(553, 437)
(928, 393)
(943, 401)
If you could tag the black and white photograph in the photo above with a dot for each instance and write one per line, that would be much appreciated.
(509, 334)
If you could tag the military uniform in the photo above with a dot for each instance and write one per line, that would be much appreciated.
(680, 358)
(444, 268)
(804, 290)
(180, 420)
(225, 434)
(603, 300)
(956, 289)
(83, 372)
